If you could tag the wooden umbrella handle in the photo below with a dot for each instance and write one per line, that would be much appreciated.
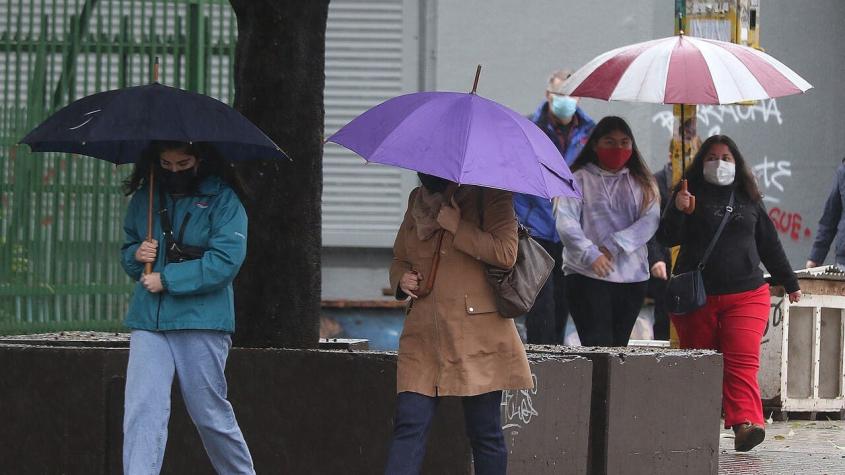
(148, 267)
(435, 261)
(691, 208)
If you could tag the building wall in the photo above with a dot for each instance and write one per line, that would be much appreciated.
(790, 142)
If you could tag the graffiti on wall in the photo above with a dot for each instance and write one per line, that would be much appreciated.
(714, 116)
(790, 224)
(773, 176)
(517, 407)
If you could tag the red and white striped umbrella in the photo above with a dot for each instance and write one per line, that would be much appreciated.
(684, 70)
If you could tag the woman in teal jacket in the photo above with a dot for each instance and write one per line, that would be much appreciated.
(182, 314)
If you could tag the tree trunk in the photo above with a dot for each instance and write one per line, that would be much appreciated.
(279, 79)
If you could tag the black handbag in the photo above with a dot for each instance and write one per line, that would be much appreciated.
(685, 292)
(516, 288)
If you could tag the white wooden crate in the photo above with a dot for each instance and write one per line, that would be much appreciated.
(802, 361)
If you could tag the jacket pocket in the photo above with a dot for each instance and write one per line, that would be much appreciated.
(476, 304)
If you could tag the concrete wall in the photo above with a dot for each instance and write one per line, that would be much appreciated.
(301, 411)
(791, 142)
(650, 409)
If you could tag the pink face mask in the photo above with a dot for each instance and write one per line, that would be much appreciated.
(613, 158)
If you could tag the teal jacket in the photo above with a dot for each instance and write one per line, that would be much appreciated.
(198, 294)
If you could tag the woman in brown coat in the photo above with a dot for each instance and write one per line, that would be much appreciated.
(454, 342)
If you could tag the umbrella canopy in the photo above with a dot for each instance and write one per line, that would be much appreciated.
(117, 125)
(684, 70)
(461, 137)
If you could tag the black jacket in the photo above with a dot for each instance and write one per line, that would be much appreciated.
(656, 251)
(748, 238)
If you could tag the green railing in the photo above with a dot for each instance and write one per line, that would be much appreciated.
(61, 215)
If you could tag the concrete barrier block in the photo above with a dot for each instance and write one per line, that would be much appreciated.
(301, 411)
(654, 411)
(547, 428)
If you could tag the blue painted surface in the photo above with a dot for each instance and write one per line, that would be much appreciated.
(379, 325)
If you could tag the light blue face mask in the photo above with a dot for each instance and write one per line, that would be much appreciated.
(563, 107)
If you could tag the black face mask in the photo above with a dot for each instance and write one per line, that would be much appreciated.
(179, 183)
(432, 183)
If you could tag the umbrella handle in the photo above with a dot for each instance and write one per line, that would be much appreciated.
(691, 208)
(148, 267)
(435, 261)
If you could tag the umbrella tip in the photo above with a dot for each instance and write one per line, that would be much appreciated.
(477, 74)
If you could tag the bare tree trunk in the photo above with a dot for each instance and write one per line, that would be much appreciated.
(279, 79)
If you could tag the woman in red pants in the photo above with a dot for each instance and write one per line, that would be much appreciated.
(737, 309)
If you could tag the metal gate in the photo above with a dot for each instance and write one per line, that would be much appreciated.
(61, 215)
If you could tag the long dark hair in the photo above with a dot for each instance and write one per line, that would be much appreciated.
(744, 181)
(639, 170)
(213, 164)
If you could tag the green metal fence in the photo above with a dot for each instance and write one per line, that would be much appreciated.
(61, 215)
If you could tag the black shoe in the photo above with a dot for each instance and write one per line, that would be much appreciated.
(748, 436)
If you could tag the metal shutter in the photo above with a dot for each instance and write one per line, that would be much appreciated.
(372, 54)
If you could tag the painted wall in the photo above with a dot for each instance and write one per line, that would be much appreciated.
(791, 142)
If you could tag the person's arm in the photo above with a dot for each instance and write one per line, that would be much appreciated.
(132, 240)
(221, 261)
(828, 222)
(771, 251)
(400, 263)
(672, 230)
(497, 243)
(636, 235)
(655, 251)
(568, 222)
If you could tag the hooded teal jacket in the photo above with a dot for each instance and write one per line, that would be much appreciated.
(197, 293)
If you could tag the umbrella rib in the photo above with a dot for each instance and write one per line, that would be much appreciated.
(650, 64)
(466, 138)
(387, 136)
(748, 65)
(527, 139)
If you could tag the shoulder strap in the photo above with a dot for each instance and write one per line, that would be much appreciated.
(728, 210)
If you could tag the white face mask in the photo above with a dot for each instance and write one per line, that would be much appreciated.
(719, 172)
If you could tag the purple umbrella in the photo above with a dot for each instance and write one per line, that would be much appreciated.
(461, 137)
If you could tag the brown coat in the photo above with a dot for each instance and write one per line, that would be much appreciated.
(454, 342)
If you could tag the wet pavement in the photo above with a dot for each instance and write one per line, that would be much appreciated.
(793, 447)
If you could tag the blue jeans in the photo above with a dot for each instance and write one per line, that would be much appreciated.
(482, 416)
(198, 357)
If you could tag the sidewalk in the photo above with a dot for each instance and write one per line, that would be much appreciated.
(794, 447)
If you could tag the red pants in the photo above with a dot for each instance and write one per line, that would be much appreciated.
(732, 324)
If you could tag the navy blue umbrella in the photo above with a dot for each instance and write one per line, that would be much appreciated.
(117, 125)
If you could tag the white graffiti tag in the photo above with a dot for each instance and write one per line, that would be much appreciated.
(517, 406)
(768, 175)
(714, 116)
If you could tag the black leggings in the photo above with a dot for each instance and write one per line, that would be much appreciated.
(604, 312)
(545, 321)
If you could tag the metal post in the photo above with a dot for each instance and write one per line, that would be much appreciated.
(196, 47)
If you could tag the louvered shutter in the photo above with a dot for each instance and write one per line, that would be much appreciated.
(371, 56)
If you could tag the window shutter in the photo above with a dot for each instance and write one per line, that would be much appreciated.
(371, 56)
